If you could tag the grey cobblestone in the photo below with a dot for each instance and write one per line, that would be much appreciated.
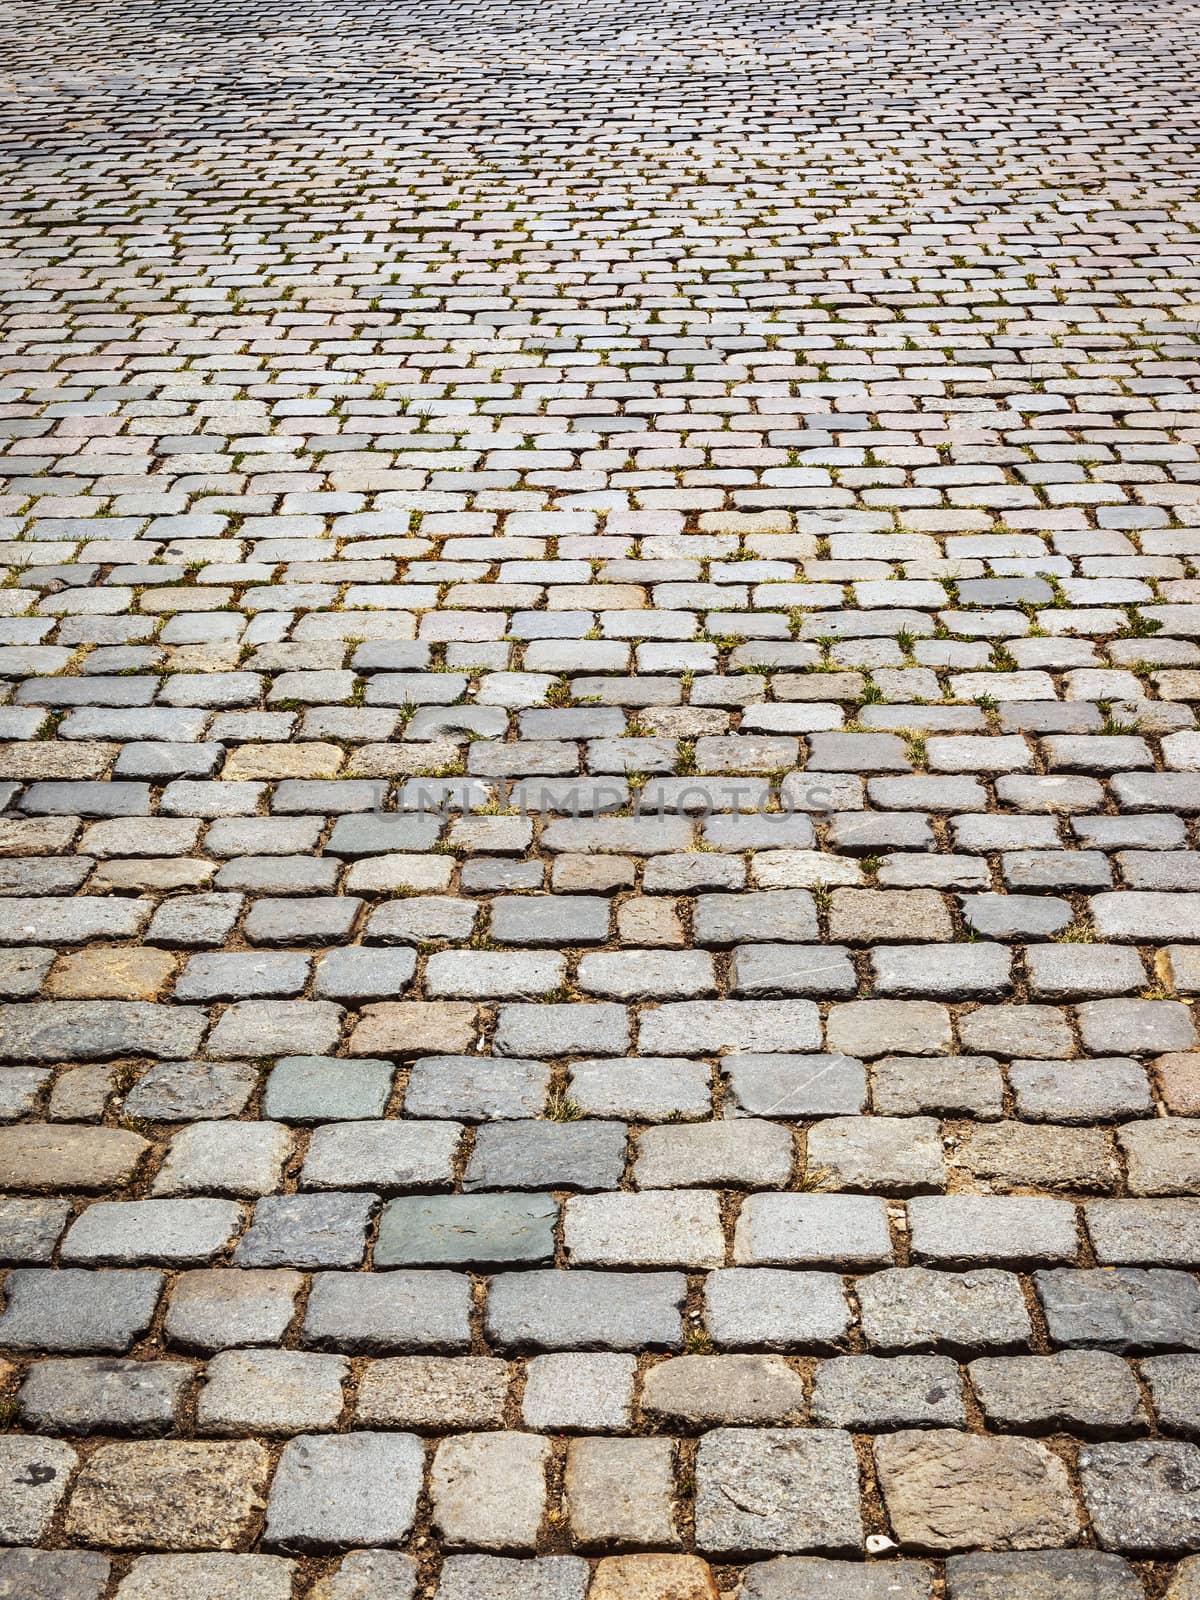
(598, 802)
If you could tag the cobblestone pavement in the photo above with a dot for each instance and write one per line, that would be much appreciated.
(599, 645)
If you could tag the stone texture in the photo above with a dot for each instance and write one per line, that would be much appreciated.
(216, 1577)
(66, 1574)
(1042, 1575)
(1143, 1497)
(946, 1490)
(598, 781)
(344, 1489)
(653, 1577)
(489, 1490)
(169, 1496)
(34, 1474)
(767, 1491)
(815, 1578)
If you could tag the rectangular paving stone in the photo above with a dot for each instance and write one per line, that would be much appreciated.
(306, 1230)
(180, 1495)
(75, 1310)
(668, 1229)
(377, 1313)
(434, 1392)
(812, 1230)
(479, 1230)
(582, 1310)
(541, 686)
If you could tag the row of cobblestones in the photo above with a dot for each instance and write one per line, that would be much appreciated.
(599, 906)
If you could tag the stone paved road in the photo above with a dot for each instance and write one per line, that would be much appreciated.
(600, 635)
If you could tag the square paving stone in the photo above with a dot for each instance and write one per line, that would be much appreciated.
(1037, 1031)
(955, 972)
(184, 1091)
(866, 1028)
(169, 1495)
(641, 1088)
(510, 1578)
(618, 1494)
(778, 916)
(1022, 1155)
(481, 1230)
(761, 1308)
(963, 1229)
(562, 1030)
(769, 1491)
(29, 1229)
(644, 1230)
(335, 1490)
(890, 1154)
(22, 971)
(558, 920)
(812, 1230)
(1174, 1384)
(579, 1393)
(1065, 972)
(734, 1153)
(1042, 1575)
(476, 1088)
(1128, 1310)
(694, 1392)
(489, 1490)
(1135, 1027)
(275, 1027)
(238, 1158)
(20, 1088)
(1092, 1392)
(794, 1085)
(240, 975)
(493, 974)
(69, 1156)
(914, 1308)
(710, 1027)
(1143, 1496)
(873, 1393)
(1162, 1156)
(547, 1155)
(369, 1575)
(99, 1030)
(941, 1086)
(1104, 1089)
(814, 1578)
(174, 1233)
(362, 973)
(404, 1028)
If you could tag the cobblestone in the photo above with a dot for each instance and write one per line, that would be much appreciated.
(598, 802)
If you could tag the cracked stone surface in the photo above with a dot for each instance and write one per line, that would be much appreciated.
(599, 774)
